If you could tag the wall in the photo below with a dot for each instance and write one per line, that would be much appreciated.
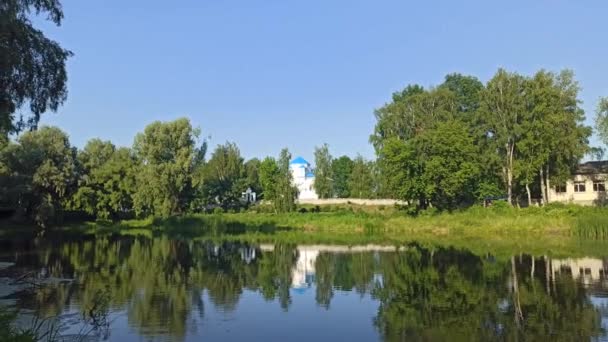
(357, 201)
(589, 197)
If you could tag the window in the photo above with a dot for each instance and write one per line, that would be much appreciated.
(579, 187)
(599, 186)
(560, 189)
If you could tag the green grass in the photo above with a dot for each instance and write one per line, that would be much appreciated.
(553, 229)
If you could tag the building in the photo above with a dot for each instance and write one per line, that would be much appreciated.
(303, 178)
(587, 186)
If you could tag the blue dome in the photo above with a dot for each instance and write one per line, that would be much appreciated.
(299, 160)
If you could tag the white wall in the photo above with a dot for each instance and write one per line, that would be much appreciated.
(589, 197)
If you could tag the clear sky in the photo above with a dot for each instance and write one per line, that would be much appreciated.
(268, 74)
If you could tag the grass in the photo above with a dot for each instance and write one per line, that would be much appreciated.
(553, 229)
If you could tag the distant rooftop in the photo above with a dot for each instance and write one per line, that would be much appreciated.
(299, 160)
(592, 167)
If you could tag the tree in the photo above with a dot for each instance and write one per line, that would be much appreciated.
(32, 66)
(449, 163)
(167, 156)
(467, 91)
(323, 172)
(269, 172)
(361, 181)
(341, 169)
(563, 137)
(601, 119)
(286, 192)
(107, 180)
(439, 167)
(224, 179)
(503, 107)
(41, 173)
(252, 174)
(411, 112)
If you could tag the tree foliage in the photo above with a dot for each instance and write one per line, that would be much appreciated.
(225, 176)
(107, 180)
(601, 120)
(323, 183)
(361, 181)
(39, 174)
(341, 169)
(32, 66)
(167, 155)
(515, 131)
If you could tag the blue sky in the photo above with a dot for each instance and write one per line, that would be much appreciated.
(279, 73)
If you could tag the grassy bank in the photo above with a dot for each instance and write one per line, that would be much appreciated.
(555, 229)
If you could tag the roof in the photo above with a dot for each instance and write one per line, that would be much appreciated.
(592, 167)
(299, 160)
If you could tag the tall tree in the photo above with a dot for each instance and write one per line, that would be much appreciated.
(269, 172)
(32, 66)
(167, 155)
(252, 174)
(107, 180)
(224, 179)
(323, 172)
(502, 109)
(361, 180)
(277, 182)
(566, 136)
(286, 192)
(341, 168)
(41, 173)
(601, 119)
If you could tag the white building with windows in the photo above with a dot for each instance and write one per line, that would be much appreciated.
(587, 186)
(303, 178)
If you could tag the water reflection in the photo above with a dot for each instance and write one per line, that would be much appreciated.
(185, 290)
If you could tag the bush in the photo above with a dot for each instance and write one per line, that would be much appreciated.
(218, 210)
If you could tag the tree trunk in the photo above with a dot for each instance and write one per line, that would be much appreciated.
(509, 148)
(529, 195)
(547, 184)
(543, 194)
(516, 302)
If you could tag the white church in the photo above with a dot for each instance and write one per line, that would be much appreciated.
(303, 178)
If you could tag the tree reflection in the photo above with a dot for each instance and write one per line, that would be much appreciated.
(423, 293)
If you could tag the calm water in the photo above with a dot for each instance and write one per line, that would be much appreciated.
(142, 289)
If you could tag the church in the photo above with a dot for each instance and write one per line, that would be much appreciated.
(303, 178)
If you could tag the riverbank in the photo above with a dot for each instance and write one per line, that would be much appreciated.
(555, 229)
(551, 229)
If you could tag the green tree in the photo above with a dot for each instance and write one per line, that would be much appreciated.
(323, 172)
(32, 66)
(41, 173)
(277, 182)
(503, 109)
(411, 112)
(107, 180)
(601, 119)
(361, 182)
(467, 91)
(269, 172)
(341, 169)
(224, 179)
(286, 192)
(449, 165)
(252, 174)
(167, 157)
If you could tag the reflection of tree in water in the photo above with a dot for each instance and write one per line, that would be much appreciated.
(454, 295)
(423, 294)
(160, 282)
